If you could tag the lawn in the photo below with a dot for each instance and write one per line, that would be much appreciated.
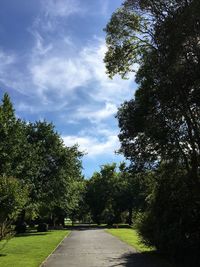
(131, 237)
(31, 249)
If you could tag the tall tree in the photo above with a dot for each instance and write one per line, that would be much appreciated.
(161, 124)
(34, 153)
(163, 118)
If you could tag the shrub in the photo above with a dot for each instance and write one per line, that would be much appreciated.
(21, 228)
(13, 197)
(171, 220)
(42, 227)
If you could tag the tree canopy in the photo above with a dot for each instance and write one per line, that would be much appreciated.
(160, 126)
(34, 153)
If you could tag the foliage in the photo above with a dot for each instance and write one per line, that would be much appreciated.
(21, 228)
(35, 155)
(110, 194)
(171, 212)
(162, 121)
(12, 200)
(42, 227)
(160, 127)
(58, 169)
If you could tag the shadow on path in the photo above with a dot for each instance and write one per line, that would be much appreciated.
(147, 259)
(84, 227)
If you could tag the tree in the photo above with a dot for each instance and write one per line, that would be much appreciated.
(13, 140)
(111, 193)
(166, 107)
(133, 191)
(161, 124)
(58, 170)
(35, 154)
(13, 197)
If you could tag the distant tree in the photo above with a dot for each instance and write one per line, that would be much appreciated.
(110, 193)
(133, 191)
(95, 197)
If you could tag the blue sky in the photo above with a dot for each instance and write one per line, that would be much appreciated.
(51, 64)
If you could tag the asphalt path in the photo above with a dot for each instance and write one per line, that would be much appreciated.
(96, 248)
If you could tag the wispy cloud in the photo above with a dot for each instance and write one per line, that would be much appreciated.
(80, 70)
(61, 75)
(58, 73)
(61, 8)
(53, 76)
(6, 62)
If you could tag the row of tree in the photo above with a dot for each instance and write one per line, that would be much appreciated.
(160, 127)
(41, 178)
(112, 194)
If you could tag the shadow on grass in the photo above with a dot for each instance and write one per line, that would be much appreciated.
(83, 227)
(35, 233)
(32, 234)
(145, 259)
(2, 255)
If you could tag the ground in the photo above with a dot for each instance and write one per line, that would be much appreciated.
(31, 249)
(131, 237)
(90, 247)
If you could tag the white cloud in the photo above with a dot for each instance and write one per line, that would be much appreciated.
(6, 59)
(96, 115)
(98, 140)
(92, 145)
(58, 74)
(106, 89)
(56, 68)
(61, 8)
(52, 75)
(40, 48)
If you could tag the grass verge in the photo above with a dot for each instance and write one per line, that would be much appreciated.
(130, 236)
(30, 249)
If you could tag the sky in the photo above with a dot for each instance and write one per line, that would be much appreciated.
(51, 64)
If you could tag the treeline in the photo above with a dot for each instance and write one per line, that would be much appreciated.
(160, 127)
(40, 178)
(112, 195)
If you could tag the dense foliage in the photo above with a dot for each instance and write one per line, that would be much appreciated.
(160, 127)
(112, 195)
(13, 198)
(36, 156)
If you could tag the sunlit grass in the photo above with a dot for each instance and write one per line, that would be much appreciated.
(131, 237)
(31, 249)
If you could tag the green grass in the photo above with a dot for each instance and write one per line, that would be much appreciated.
(131, 237)
(31, 249)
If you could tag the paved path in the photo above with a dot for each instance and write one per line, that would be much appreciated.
(96, 248)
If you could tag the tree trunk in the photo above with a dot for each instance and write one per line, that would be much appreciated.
(130, 215)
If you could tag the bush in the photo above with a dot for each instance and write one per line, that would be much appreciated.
(13, 197)
(171, 220)
(42, 227)
(21, 228)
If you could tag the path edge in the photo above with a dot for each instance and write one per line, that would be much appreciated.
(132, 247)
(42, 264)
